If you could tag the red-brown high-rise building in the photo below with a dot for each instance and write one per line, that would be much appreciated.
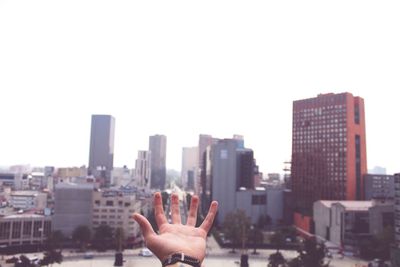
(328, 152)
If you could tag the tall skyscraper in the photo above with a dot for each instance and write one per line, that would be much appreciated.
(245, 168)
(397, 215)
(202, 185)
(229, 169)
(142, 169)
(328, 152)
(158, 149)
(190, 163)
(101, 155)
(204, 141)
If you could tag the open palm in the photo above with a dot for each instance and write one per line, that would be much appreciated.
(176, 237)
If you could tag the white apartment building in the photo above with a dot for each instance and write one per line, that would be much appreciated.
(115, 209)
(27, 200)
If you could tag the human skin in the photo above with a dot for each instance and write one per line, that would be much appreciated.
(176, 237)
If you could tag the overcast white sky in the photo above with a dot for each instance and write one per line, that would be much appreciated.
(182, 68)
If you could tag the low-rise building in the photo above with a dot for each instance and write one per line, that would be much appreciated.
(261, 202)
(72, 207)
(346, 223)
(378, 186)
(27, 200)
(115, 209)
(395, 251)
(15, 180)
(24, 229)
(63, 173)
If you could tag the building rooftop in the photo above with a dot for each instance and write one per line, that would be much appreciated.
(24, 193)
(349, 204)
(356, 205)
(16, 216)
(74, 185)
(37, 173)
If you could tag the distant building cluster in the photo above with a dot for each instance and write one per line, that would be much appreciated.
(325, 191)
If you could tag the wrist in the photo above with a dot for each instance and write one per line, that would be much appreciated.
(180, 259)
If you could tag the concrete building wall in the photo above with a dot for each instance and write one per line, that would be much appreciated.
(253, 202)
(354, 220)
(73, 207)
(224, 176)
(142, 169)
(322, 219)
(245, 168)
(397, 209)
(24, 229)
(275, 204)
(378, 186)
(158, 149)
(381, 216)
(116, 211)
(101, 154)
(67, 172)
(26, 200)
(336, 224)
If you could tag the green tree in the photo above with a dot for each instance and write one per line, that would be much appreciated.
(51, 257)
(264, 220)
(236, 226)
(55, 240)
(119, 238)
(311, 254)
(102, 236)
(276, 259)
(255, 238)
(377, 246)
(277, 240)
(295, 263)
(53, 252)
(82, 235)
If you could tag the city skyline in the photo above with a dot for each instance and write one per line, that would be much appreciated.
(183, 69)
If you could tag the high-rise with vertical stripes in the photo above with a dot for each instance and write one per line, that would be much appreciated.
(158, 169)
(101, 155)
(328, 152)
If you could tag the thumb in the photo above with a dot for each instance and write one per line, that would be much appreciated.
(145, 225)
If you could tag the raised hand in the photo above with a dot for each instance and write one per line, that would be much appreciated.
(176, 237)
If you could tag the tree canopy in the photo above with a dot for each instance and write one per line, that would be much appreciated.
(102, 237)
(236, 226)
(276, 259)
(51, 257)
(311, 254)
(82, 235)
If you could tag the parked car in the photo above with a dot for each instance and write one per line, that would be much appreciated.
(88, 255)
(12, 260)
(145, 252)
